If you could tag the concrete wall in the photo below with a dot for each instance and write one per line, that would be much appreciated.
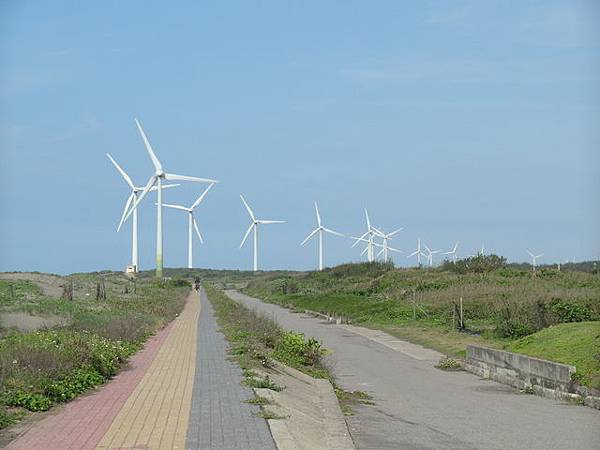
(519, 370)
(538, 376)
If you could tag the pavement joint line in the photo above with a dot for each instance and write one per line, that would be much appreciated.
(144, 421)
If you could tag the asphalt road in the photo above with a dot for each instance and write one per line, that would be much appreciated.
(420, 407)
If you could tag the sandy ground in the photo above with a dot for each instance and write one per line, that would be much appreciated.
(50, 284)
(25, 323)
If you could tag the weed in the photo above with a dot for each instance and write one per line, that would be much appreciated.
(447, 363)
(269, 415)
(263, 383)
(258, 400)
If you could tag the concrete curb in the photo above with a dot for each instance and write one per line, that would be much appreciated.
(311, 417)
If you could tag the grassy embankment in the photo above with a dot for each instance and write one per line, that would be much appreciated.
(504, 307)
(79, 343)
(256, 341)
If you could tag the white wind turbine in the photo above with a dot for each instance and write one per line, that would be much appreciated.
(371, 231)
(430, 254)
(254, 226)
(191, 222)
(534, 259)
(135, 190)
(418, 252)
(375, 244)
(157, 180)
(320, 229)
(385, 246)
(452, 252)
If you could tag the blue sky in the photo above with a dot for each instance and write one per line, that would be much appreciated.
(470, 121)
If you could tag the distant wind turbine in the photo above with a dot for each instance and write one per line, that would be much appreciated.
(254, 226)
(430, 254)
(375, 244)
(370, 233)
(386, 238)
(452, 252)
(191, 222)
(418, 252)
(135, 190)
(320, 229)
(534, 259)
(157, 180)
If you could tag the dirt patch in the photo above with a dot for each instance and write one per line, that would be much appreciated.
(25, 323)
(51, 285)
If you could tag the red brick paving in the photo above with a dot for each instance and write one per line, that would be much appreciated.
(82, 423)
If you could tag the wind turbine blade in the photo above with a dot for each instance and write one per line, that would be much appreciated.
(247, 207)
(540, 255)
(395, 250)
(150, 183)
(427, 248)
(413, 254)
(395, 231)
(247, 233)
(168, 205)
(266, 222)
(378, 231)
(172, 176)
(155, 161)
(362, 238)
(368, 221)
(333, 232)
(129, 200)
(199, 200)
(380, 252)
(365, 250)
(121, 171)
(531, 254)
(434, 252)
(309, 236)
(167, 186)
(197, 231)
(318, 215)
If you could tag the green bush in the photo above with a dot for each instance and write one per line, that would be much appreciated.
(570, 311)
(476, 264)
(292, 349)
(41, 368)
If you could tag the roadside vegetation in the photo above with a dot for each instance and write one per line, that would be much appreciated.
(502, 305)
(53, 349)
(256, 341)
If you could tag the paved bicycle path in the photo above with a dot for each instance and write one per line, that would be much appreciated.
(180, 392)
(420, 407)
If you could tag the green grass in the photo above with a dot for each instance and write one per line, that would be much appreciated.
(576, 344)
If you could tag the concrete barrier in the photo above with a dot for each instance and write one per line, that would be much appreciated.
(537, 376)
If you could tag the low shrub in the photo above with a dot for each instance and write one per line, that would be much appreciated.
(293, 350)
(569, 311)
(475, 264)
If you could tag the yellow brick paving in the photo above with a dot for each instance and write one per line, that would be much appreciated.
(156, 414)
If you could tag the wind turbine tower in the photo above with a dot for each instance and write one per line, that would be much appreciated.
(254, 227)
(157, 180)
(192, 224)
(320, 229)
